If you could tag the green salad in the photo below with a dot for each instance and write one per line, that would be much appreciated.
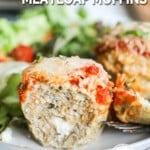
(10, 75)
(49, 31)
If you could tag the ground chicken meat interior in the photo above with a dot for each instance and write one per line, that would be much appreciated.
(65, 100)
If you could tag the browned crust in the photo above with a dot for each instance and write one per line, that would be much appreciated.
(134, 67)
(128, 105)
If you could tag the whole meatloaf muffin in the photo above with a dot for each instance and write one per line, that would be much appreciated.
(65, 100)
(126, 51)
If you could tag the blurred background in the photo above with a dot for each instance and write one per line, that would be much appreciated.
(107, 13)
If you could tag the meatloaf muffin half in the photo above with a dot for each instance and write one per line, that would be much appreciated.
(126, 51)
(65, 100)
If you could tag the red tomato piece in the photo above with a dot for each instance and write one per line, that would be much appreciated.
(74, 81)
(91, 70)
(23, 53)
(101, 95)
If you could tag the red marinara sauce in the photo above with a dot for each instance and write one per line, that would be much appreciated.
(74, 81)
(23, 87)
(91, 70)
(102, 95)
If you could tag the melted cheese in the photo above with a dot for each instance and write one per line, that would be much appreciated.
(63, 127)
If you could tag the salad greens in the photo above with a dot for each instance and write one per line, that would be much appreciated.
(9, 101)
(71, 33)
(137, 32)
(9, 105)
(7, 36)
(25, 30)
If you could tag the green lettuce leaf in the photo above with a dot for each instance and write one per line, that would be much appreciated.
(10, 108)
(8, 39)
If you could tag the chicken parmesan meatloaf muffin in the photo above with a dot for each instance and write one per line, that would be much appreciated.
(126, 51)
(65, 100)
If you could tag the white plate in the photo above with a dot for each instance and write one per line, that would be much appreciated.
(20, 139)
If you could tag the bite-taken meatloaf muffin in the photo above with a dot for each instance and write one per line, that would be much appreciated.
(129, 105)
(65, 100)
(126, 51)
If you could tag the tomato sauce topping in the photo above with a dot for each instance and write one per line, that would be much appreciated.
(91, 70)
(135, 45)
(74, 81)
(23, 87)
(123, 97)
(102, 95)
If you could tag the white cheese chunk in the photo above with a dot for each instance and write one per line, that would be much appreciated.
(63, 127)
